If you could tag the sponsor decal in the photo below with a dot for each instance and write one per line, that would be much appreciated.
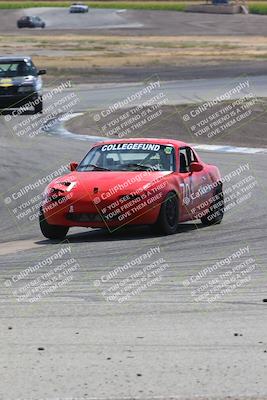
(6, 82)
(168, 150)
(130, 146)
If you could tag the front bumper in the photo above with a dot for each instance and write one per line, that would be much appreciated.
(22, 25)
(85, 213)
(78, 11)
(12, 99)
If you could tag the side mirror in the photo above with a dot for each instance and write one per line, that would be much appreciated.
(73, 166)
(195, 167)
(42, 72)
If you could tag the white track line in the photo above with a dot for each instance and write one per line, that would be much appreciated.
(230, 149)
(61, 131)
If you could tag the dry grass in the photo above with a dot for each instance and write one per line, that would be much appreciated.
(76, 52)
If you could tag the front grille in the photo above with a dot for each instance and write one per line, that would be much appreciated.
(84, 217)
(8, 91)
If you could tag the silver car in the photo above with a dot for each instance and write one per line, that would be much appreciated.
(78, 8)
(20, 83)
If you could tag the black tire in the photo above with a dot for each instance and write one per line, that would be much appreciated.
(43, 26)
(38, 109)
(216, 210)
(168, 218)
(51, 231)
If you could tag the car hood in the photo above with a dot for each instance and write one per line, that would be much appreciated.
(114, 182)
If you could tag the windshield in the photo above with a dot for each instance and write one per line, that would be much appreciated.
(16, 68)
(129, 157)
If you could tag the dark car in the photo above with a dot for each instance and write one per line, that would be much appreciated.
(20, 83)
(30, 22)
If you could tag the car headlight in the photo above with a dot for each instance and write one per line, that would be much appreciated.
(26, 89)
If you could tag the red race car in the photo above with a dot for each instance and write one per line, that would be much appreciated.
(156, 182)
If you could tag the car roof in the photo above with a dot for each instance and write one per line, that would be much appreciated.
(10, 59)
(173, 142)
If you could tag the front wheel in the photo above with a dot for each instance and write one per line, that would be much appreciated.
(216, 210)
(51, 231)
(38, 108)
(168, 218)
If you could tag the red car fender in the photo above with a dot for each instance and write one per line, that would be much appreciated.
(173, 185)
(214, 173)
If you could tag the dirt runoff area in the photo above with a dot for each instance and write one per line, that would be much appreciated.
(87, 58)
(240, 123)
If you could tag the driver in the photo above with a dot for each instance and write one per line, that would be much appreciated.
(22, 69)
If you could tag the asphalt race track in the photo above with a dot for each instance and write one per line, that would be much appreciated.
(94, 19)
(61, 19)
(136, 22)
(163, 343)
(91, 96)
(174, 339)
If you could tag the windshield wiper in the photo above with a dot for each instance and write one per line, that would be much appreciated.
(97, 167)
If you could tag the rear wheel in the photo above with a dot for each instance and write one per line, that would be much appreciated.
(38, 108)
(51, 231)
(168, 218)
(216, 210)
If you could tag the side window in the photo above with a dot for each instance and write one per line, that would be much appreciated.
(190, 155)
(187, 156)
(184, 165)
(32, 68)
